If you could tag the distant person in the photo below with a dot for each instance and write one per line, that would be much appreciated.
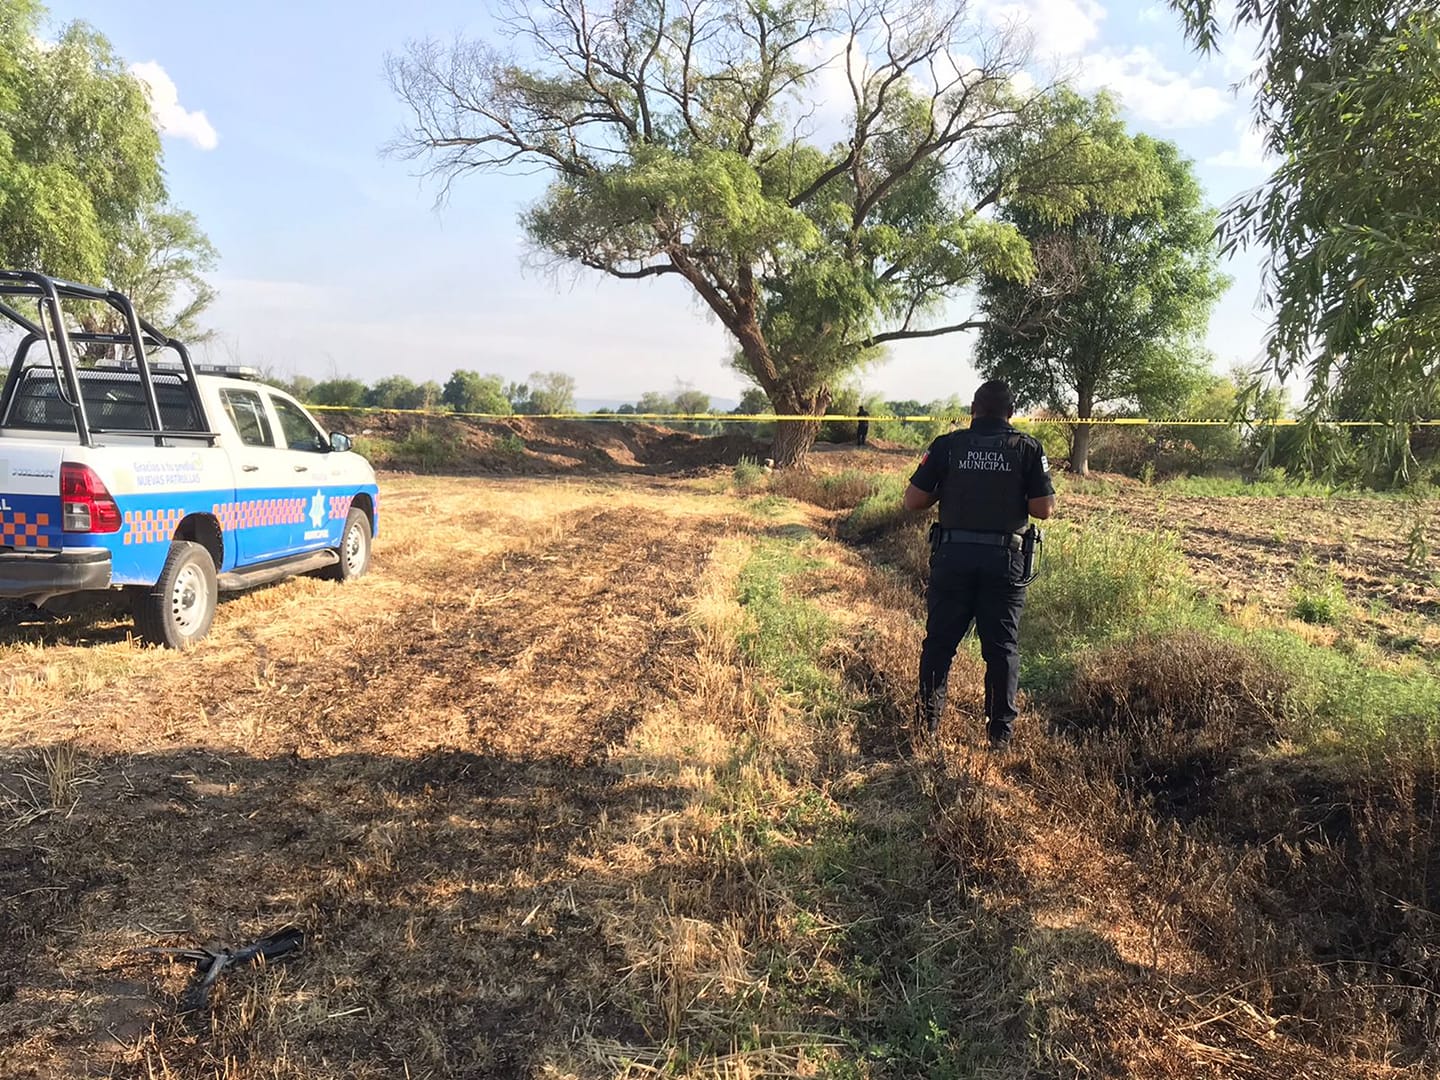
(862, 429)
(989, 480)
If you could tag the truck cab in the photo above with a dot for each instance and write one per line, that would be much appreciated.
(168, 482)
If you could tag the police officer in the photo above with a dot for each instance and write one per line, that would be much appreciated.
(989, 481)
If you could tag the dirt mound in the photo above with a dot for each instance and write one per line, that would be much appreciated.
(523, 445)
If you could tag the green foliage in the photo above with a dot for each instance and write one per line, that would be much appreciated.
(1272, 485)
(1116, 311)
(82, 192)
(300, 387)
(1318, 596)
(1101, 582)
(1417, 540)
(79, 154)
(511, 444)
(881, 511)
(1348, 100)
(1335, 694)
(692, 402)
(159, 259)
(785, 636)
(945, 414)
(349, 393)
(748, 474)
(389, 392)
(654, 403)
(753, 403)
(471, 392)
(550, 392)
(419, 450)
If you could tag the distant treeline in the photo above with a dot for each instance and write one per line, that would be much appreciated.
(464, 391)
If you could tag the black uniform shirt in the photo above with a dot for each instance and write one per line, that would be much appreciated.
(986, 476)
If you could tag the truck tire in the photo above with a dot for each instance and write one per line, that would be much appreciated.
(354, 548)
(178, 610)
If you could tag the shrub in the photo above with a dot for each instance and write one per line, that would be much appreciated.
(512, 444)
(1103, 582)
(831, 491)
(1318, 596)
(880, 510)
(1177, 680)
(748, 474)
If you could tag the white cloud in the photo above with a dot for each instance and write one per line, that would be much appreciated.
(171, 117)
(1150, 90)
(1248, 153)
(1058, 28)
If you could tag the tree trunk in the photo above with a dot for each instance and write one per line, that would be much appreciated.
(1080, 450)
(1080, 445)
(794, 438)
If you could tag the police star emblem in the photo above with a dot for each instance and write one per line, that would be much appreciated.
(317, 510)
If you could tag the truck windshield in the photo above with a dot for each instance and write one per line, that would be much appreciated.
(114, 400)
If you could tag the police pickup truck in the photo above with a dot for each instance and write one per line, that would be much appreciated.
(166, 482)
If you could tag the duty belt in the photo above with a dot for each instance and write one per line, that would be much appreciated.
(966, 536)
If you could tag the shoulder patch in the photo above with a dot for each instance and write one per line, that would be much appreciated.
(1044, 462)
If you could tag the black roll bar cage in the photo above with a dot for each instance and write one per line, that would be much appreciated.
(59, 342)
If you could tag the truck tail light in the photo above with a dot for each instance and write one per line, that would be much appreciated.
(87, 505)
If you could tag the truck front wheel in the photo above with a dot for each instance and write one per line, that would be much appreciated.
(178, 610)
(354, 548)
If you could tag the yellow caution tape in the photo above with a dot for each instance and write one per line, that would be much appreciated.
(768, 418)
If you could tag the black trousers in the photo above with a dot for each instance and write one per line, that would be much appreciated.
(974, 584)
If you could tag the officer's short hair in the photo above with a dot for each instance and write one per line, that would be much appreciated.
(994, 398)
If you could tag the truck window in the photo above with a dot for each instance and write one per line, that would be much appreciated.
(300, 433)
(114, 400)
(247, 413)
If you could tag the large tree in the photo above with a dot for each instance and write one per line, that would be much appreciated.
(684, 138)
(1117, 309)
(159, 260)
(81, 188)
(1347, 96)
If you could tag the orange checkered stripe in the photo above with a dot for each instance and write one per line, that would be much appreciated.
(259, 512)
(340, 506)
(23, 530)
(151, 526)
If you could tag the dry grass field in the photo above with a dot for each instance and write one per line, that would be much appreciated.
(612, 776)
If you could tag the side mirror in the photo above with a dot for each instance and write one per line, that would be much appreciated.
(339, 443)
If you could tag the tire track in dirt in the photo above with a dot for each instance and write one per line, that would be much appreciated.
(414, 794)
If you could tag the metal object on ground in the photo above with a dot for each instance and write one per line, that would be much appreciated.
(210, 964)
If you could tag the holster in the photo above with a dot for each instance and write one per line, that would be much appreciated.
(1030, 543)
(934, 537)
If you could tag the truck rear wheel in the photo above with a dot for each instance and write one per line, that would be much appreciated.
(178, 610)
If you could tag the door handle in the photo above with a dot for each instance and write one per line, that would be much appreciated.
(302, 468)
(249, 468)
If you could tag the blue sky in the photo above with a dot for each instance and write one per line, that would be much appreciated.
(336, 260)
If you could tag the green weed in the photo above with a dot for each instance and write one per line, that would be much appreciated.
(511, 444)
(1318, 596)
(748, 474)
(785, 636)
(419, 449)
(880, 511)
(1103, 582)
